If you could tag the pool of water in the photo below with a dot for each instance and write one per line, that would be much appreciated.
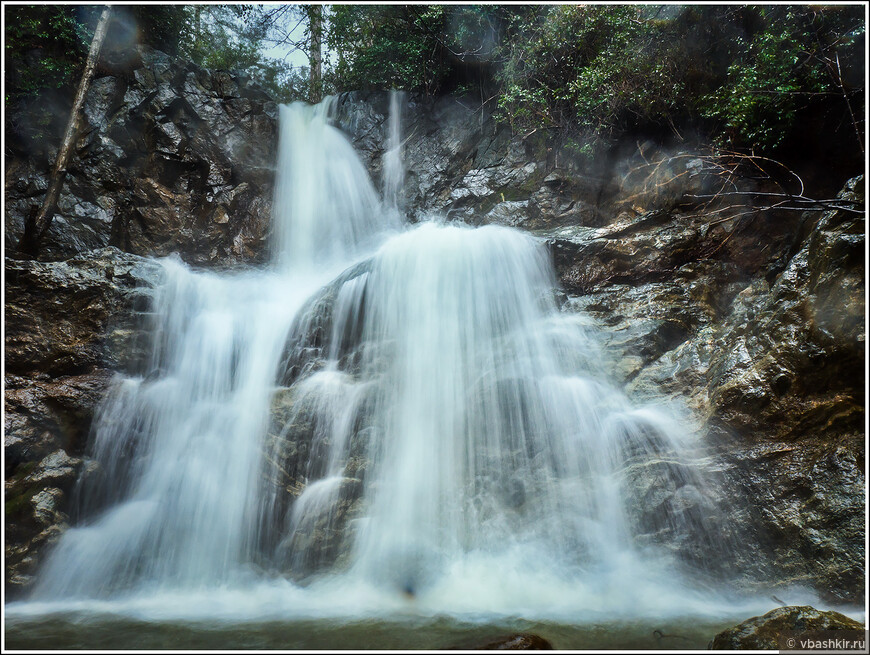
(90, 631)
(337, 614)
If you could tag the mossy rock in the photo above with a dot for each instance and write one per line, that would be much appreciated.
(519, 641)
(19, 504)
(764, 632)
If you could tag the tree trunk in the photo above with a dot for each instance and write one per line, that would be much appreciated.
(38, 225)
(315, 59)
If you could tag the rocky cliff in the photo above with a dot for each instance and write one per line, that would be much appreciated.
(756, 323)
(170, 158)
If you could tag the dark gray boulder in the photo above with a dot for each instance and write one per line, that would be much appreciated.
(773, 630)
(518, 641)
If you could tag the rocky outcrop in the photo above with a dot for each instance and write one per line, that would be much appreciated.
(72, 316)
(69, 326)
(769, 357)
(784, 627)
(519, 641)
(461, 164)
(299, 437)
(779, 381)
(170, 158)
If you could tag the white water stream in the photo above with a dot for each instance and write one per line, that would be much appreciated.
(449, 443)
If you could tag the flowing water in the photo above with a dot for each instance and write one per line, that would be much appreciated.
(389, 438)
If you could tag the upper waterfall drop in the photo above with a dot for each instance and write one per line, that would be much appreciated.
(325, 208)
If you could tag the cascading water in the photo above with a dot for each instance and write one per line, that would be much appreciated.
(180, 449)
(179, 457)
(424, 433)
(325, 208)
(458, 432)
(394, 164)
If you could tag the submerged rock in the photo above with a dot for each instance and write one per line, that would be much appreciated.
(519, 641)
(772, 631)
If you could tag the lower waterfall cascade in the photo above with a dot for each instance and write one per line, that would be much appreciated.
(389, 419)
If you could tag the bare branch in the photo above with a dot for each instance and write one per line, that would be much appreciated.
(849, 104)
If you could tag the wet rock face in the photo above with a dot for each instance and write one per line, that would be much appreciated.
(771, 631)
(297, 450)
(72, 316)
(314, 329)
(461, 164)
(770, 360)
(310, 524)
(37, 501)
(170, 158)
(779, 380)
(69, 326)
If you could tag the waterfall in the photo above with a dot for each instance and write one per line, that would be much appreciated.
(325, 207)
(398, 410)
(457, 428)
(394, 165)
(178, 456)
(174, 501)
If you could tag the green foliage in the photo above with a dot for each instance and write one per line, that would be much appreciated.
(791, 59)
(740, 73)
(473, 31)
(388, 46)
(593, 65)
(606, 69)
(221, 40)
(748, 72)
(45, 46)
(163, 27)
(233, 38)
